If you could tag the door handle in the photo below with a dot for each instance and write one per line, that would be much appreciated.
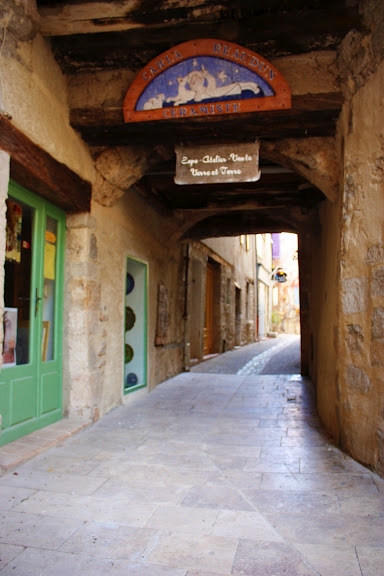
(37, 300)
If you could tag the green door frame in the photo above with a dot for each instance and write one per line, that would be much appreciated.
(31, 394)
(135, 328)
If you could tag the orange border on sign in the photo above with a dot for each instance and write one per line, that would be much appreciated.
(207, 47)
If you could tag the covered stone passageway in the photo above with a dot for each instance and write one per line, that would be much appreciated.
(73, 144)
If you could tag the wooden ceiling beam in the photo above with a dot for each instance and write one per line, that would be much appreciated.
(127, 15)
(272, 126)
(85, 38)
(269, 192)
(95, 17)
(36, 170)
(246, 222)
(112, 116)
(223, 204)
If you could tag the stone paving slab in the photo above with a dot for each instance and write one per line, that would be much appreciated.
(208, 475)
(15, 453)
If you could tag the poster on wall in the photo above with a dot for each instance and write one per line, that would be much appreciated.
(13, 231)
(10, 336)
(49, 261)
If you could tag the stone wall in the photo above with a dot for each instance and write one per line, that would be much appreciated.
(34, 91)
(98, 245)
(361, 366)
(344, 250)
(319, 253)
(84, 320)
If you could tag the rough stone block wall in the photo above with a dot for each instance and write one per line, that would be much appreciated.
(344, 345)
(361, 371)
(84, 333)
(132, 229)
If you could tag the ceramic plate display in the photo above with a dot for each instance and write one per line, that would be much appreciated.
(130, 283)
(128, 353)
(131, 380)
(130, 318)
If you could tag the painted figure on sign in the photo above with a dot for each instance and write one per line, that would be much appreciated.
(155, 102)
(203, 86)
(200, 85)
(183, 94)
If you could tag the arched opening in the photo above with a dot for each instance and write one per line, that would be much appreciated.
(223, 313)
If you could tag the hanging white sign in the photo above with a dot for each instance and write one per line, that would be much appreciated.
(210, 164)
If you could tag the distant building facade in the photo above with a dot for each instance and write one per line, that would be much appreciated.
(285, 294)
(221, 295)
(264, 284)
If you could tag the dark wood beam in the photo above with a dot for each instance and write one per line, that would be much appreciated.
(224, 204)
(268, 199)
(284, 199)
(272, 190)
(246, 222)
(310, 115)
(133, 40)
(116, 16)
(36, 170)
(112, 116)
(244, 128)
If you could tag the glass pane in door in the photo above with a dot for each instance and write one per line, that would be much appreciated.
(17, 286)
(135, 340)
(49, 290)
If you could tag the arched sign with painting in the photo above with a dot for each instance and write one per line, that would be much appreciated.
(205, 78)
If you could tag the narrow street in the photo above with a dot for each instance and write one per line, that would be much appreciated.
(286, 360)
(279, 355)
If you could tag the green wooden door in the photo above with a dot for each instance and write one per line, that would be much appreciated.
(31, 376)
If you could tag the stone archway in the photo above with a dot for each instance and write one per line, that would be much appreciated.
(117, 169)
(314, 158)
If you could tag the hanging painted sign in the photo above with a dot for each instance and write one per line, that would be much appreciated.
(205, 78)
(222, 163)
(280, 276)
